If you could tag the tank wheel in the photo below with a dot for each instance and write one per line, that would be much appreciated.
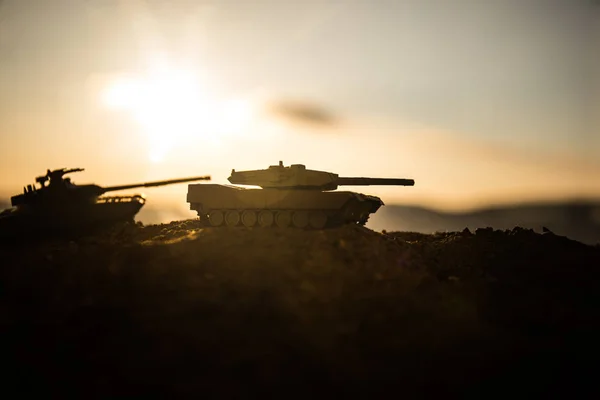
(249, 218)
(232, 218)
(215, 218)
(318, 219)
(283, 219)
(300, 219)
(265, 218)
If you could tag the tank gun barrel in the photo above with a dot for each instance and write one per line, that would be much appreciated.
(156, 183)
(349, 181)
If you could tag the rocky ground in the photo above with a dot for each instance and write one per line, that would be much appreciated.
(177, 311)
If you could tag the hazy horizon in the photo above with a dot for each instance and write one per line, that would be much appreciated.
(480, 103)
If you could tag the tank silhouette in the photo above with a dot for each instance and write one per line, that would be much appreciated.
(289, 196)
(58, 204)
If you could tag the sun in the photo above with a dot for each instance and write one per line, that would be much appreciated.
(175, 107)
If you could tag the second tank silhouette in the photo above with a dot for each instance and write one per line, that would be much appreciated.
(58, 205)
(290, 196)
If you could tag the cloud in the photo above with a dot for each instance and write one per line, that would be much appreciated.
(303, 112)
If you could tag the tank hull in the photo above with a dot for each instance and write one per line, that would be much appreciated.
(235, 206)
(82, 218)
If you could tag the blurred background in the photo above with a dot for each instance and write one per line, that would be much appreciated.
(484, 104)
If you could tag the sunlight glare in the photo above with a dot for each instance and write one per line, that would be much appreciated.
(235, 115)
(175, 109)
(156, 155)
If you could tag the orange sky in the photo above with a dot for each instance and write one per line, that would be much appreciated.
(481, 105)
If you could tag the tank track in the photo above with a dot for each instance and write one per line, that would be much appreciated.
(298, 219)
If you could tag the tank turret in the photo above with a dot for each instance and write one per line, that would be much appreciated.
(296, 176)
(58, 204)
(290, 196)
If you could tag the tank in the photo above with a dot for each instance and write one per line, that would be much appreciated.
(58, 205)
(290, 196)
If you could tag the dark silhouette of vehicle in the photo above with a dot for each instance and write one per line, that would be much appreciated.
(290, 196)
(58, 205)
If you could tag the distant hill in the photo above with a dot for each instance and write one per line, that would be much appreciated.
(576, 220)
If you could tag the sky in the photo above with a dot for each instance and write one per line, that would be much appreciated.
(481, 103)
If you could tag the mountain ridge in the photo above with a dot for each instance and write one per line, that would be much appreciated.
(579, 220)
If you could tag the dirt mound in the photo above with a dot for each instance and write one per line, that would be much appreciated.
(177, 310)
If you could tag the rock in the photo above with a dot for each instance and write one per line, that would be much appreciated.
(484, 231)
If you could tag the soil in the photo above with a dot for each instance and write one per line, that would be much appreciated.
(178, 311)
